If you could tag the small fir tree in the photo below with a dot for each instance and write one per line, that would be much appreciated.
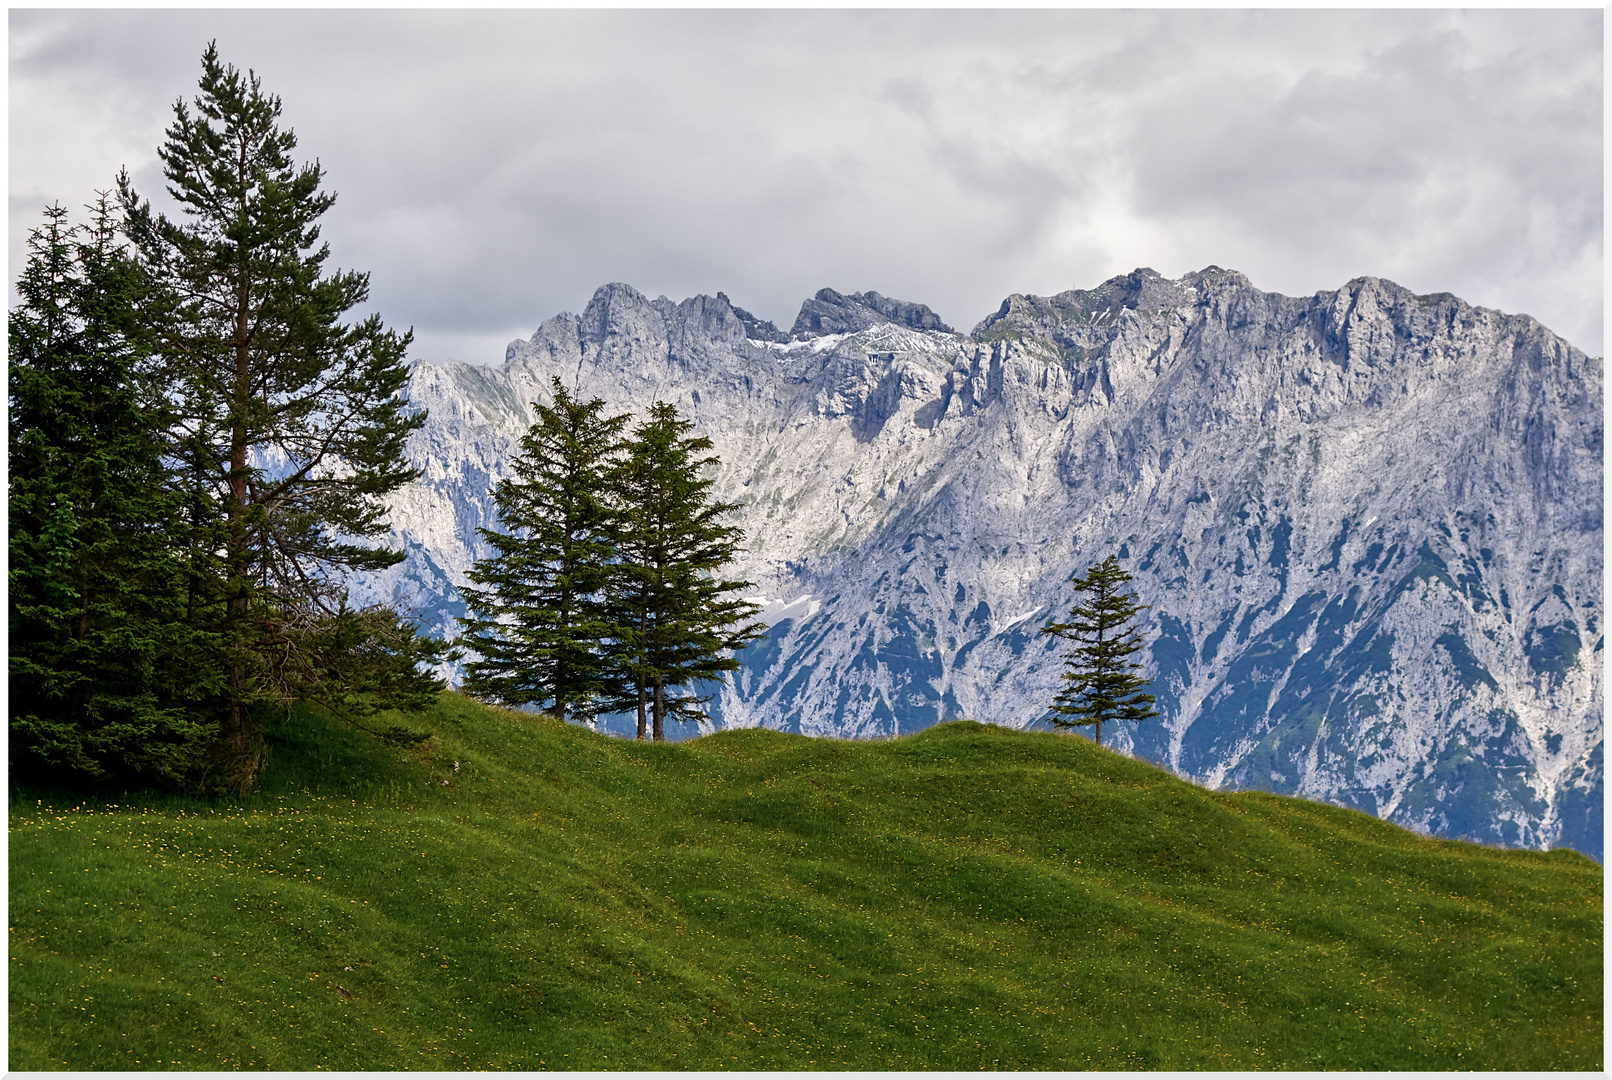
(108, 677)
(539, 620)
(1100, 681)
(357, 662)
(674, 618)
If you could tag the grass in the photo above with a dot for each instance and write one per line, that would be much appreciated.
(965, 898)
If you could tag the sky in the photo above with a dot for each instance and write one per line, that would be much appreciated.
(494, 168)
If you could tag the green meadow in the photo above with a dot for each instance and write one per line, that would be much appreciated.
(965, 898)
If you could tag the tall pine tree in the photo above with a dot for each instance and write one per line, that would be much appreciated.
(1100, 680)
(289, 423)
(108, 677)
(674, 617)
(539, 621)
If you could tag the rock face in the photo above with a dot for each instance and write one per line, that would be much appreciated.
(1368, 523)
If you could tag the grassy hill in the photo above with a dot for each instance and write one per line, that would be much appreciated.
(965, 898)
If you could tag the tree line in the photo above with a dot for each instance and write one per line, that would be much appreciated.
(200, 445)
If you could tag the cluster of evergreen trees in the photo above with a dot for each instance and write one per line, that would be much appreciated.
(199, 448)
(603, 597)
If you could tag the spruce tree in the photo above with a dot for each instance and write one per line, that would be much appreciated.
(674, 618)
(1100, 681)
(539, 622)
(288, 422)
(108, 677)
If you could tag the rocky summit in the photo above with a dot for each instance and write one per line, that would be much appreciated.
(1368, 523)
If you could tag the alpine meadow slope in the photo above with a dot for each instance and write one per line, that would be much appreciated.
(1368, 523)
(522, 893)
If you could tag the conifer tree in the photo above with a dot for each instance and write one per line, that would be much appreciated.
(108, 678)
(674, 618)
(288, 422)
(1100, 680)
(539, 621)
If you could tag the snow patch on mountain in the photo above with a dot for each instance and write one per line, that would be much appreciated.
(776, 611)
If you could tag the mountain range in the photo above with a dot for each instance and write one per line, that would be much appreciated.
(1367, 523)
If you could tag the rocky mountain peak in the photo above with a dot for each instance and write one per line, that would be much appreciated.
(610, 303)
(1143, 290)
(830, 312)
(1216, 277)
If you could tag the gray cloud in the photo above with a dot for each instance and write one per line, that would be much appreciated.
(1436, 159)
(495, 167)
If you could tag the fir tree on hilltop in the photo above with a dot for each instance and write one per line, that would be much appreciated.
(675, 618)
(1101, 683)
(541, 623)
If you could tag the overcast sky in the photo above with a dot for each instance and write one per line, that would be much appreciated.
(495, 167)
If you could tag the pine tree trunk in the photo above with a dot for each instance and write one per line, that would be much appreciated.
(660, 711)
(241, 758)
(643, 722)
(1099, 733)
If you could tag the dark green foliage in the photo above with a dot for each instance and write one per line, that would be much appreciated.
(356, 662)
(601, 596)
(288, 424)
(541, 624)
(107, 676)
(674, 618)
(1100, 680)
